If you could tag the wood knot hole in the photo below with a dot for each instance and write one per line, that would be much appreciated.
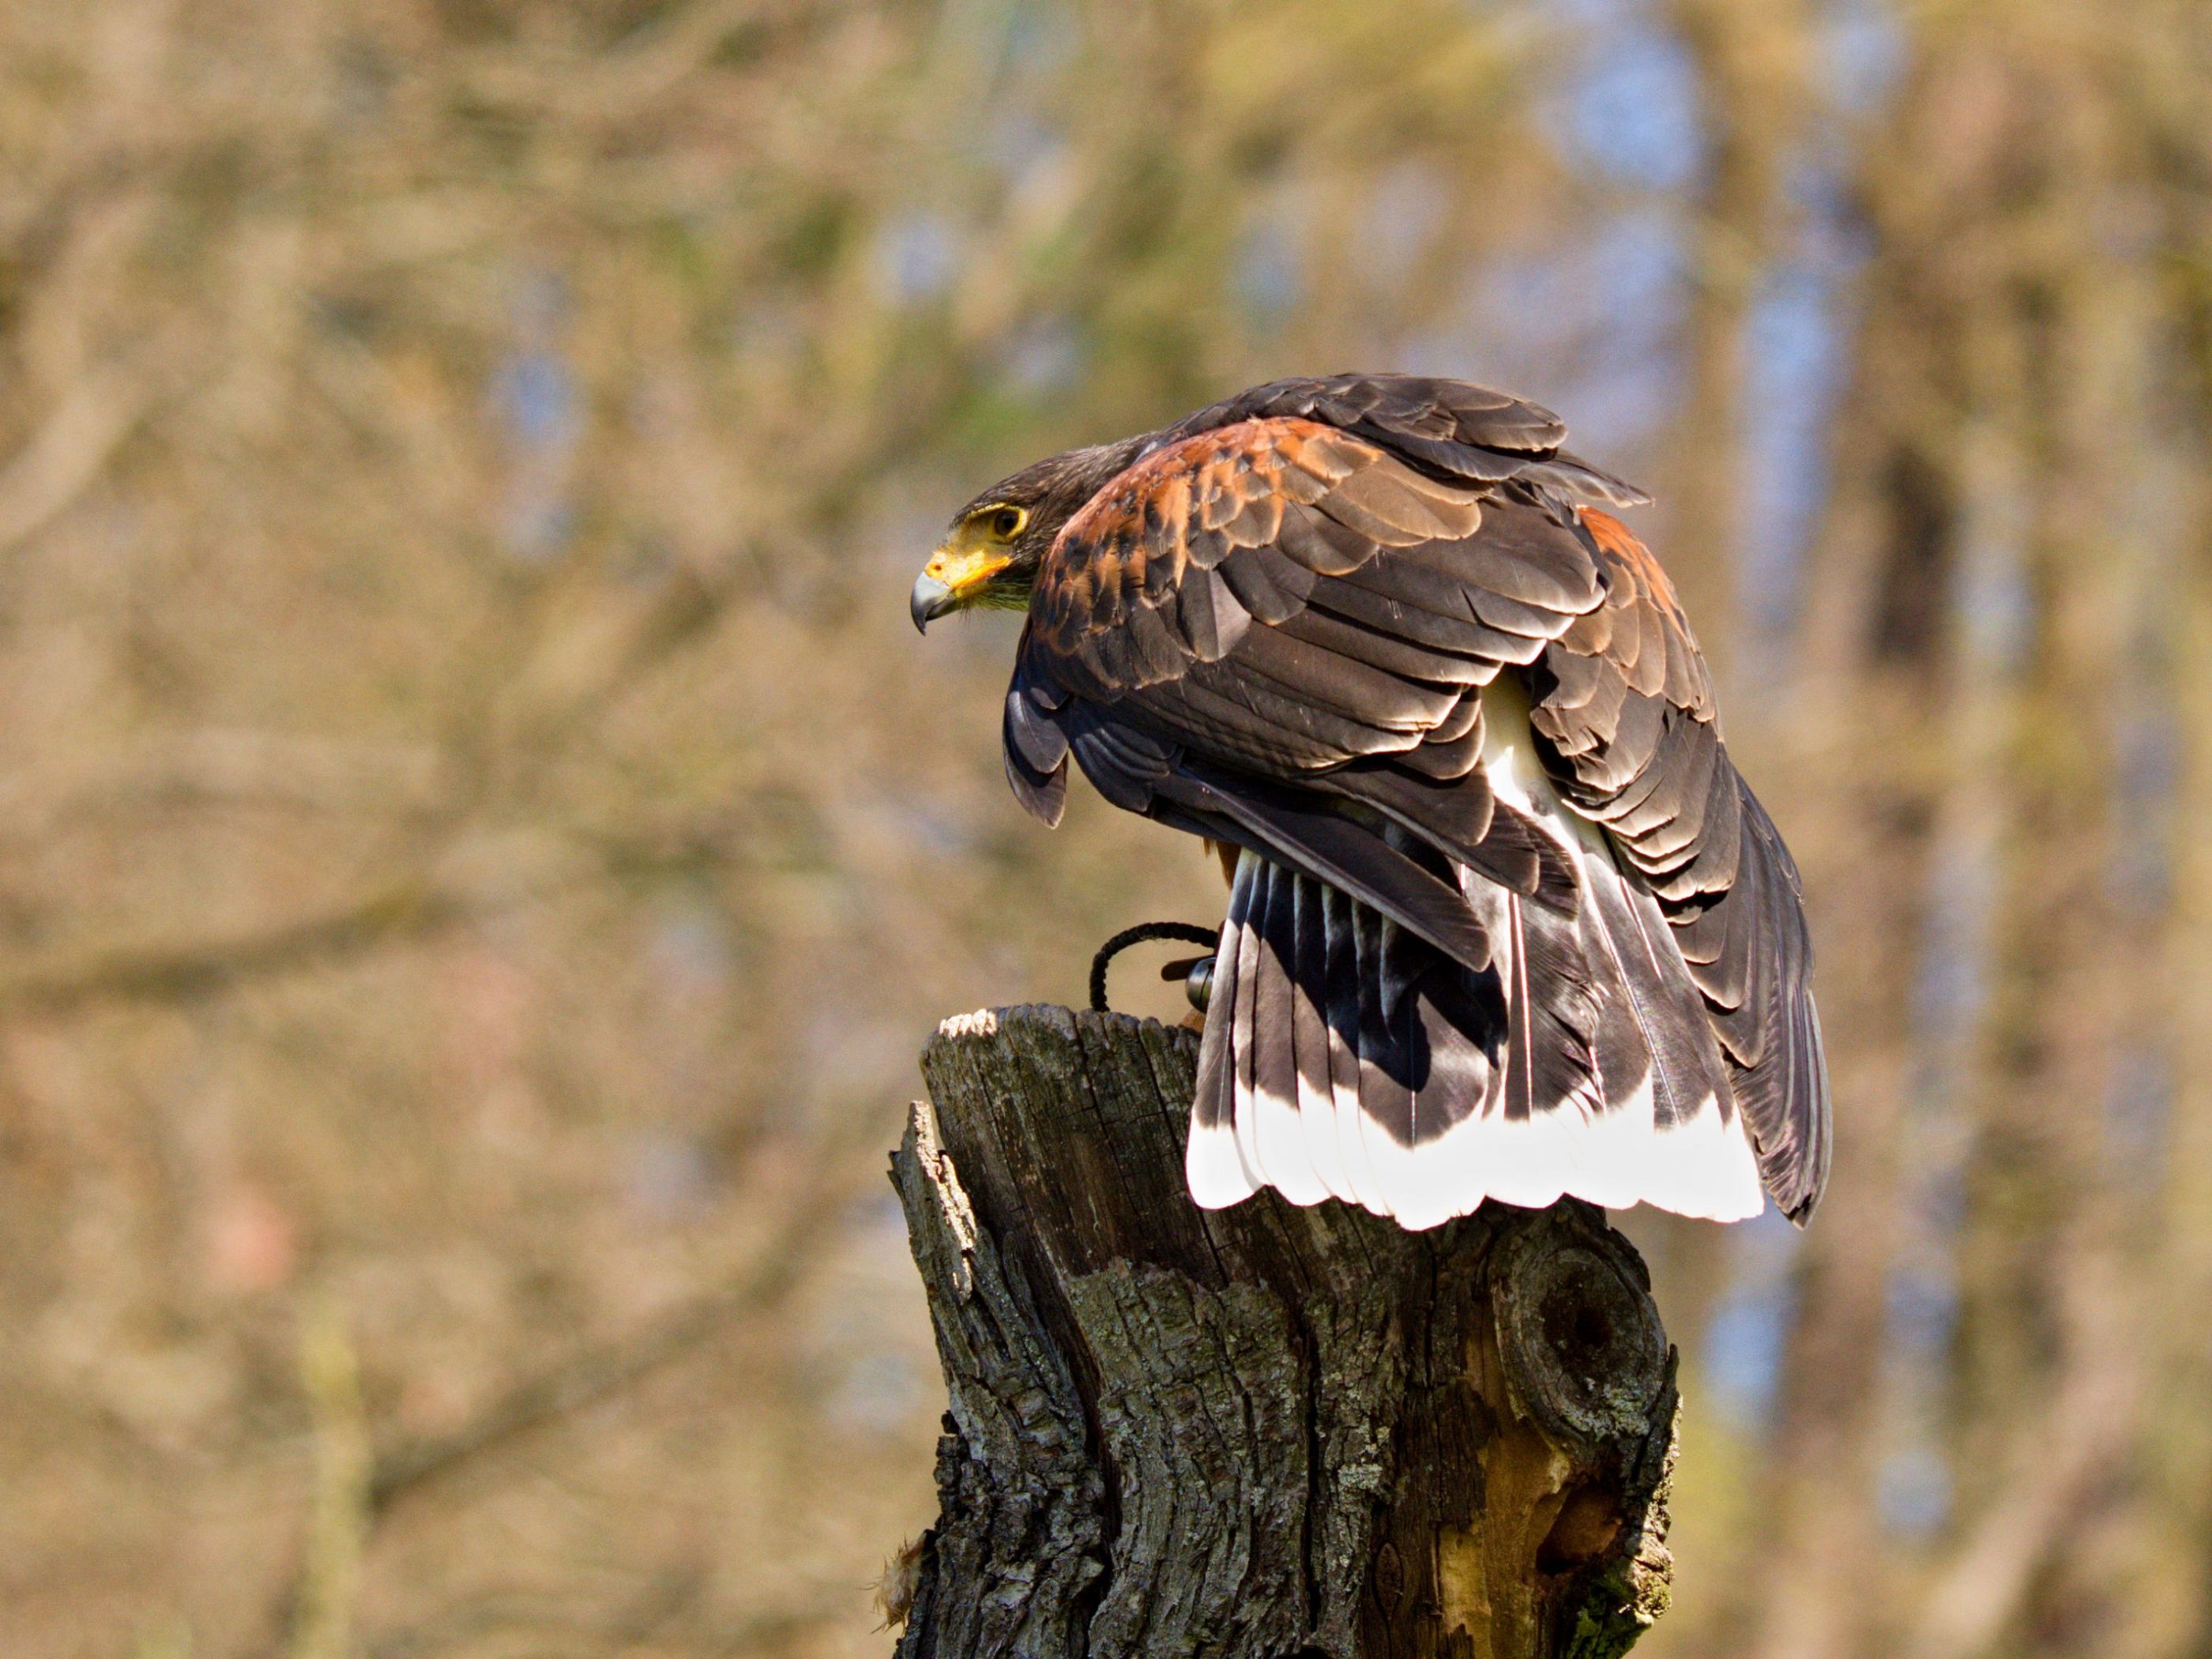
(1588, 1332)
(1581, 1336)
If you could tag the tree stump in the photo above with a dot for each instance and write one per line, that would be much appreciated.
(1265, 1430)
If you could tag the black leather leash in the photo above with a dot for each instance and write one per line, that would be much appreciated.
(1144, 932)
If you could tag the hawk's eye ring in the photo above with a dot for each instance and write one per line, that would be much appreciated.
(1006, 522)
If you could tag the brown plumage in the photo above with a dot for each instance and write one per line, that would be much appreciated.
(1507, 923)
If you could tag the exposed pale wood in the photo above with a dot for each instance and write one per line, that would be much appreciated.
(1262, 1431)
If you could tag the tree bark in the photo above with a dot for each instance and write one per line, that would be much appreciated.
(1265, 1430)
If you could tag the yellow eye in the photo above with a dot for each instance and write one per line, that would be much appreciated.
(1004, 523)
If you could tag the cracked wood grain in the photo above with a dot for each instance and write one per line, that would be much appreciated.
(1262, 1431)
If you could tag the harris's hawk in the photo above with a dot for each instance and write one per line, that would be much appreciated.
(1504, 921)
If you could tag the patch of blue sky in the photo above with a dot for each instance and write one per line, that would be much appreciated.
(1744, 1344)
(1952, 987)
(2148, 746)
(690, 950)
(1993, 603)
(2150, 750)
(1799, 337)
(1746, 1336)
(1920, 1333)
(1862, 52)
(2138, 1114)
(537, 402)
(1587, 326)
(915, 256)
(1404, 214)
(1629, 109)
(1268, 271)
(1044, 356)
(538, 395)
(1938, 1201)
(1794, 369)
(533, 390)
(1833, 236)
(1950, 1001)
(1913, 1492)
(1041, 39)
(1628, 316)
(1921, 1308)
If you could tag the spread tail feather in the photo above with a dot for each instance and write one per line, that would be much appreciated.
(1345, 1056)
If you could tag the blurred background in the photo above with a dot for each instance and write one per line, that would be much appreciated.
(481, 844)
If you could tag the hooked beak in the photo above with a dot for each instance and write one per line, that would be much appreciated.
(932, 598)
(956, 577)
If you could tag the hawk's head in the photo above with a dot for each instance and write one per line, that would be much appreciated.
(989, 557)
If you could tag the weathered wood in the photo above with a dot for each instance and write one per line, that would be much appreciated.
(1261, 1430)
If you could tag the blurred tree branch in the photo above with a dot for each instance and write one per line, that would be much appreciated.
(70, 448)
(584, 1380)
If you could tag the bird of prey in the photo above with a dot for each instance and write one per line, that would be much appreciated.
(1505, 922)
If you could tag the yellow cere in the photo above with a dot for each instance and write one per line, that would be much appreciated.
(964, 569)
